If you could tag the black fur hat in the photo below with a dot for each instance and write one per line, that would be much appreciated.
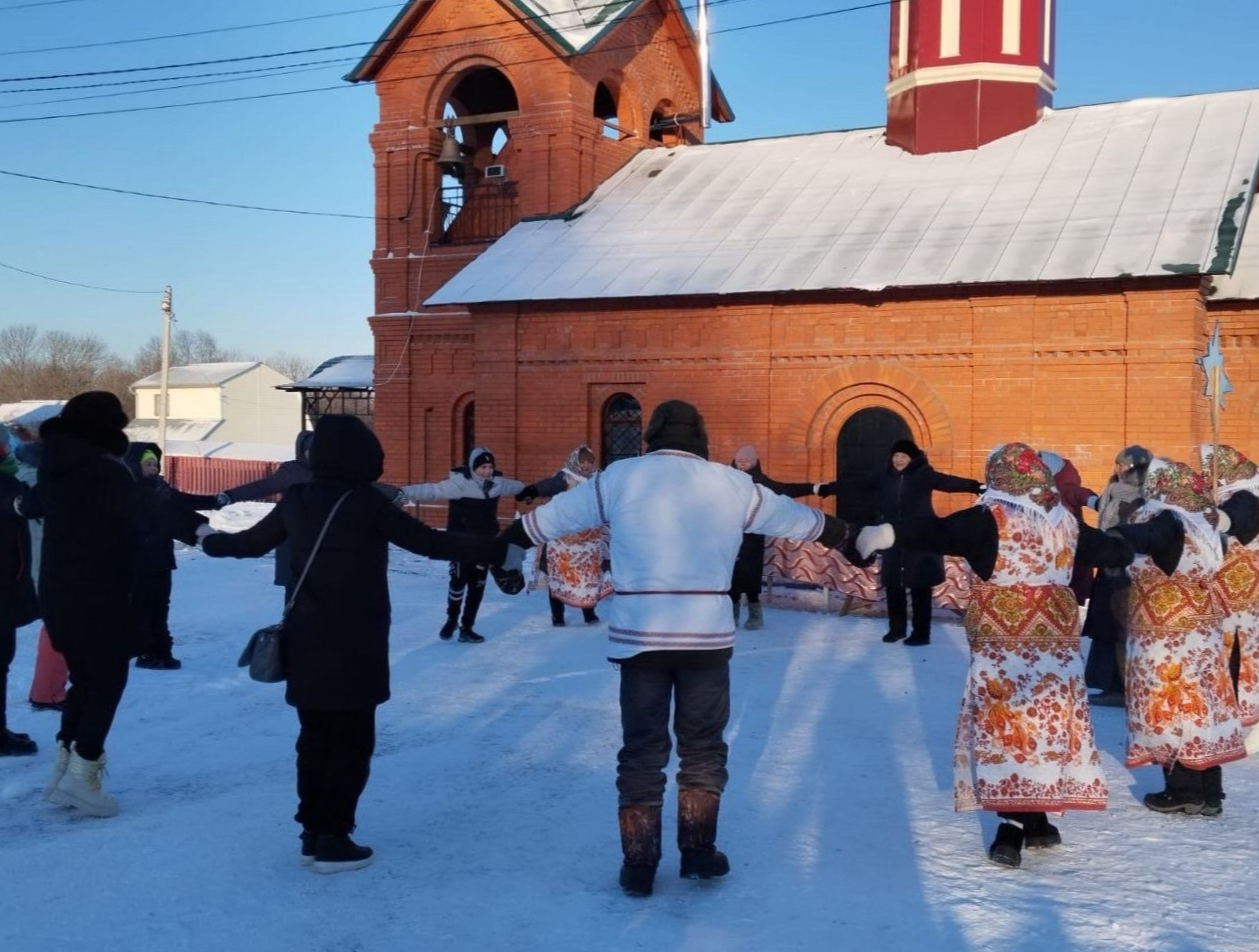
(96, 417)
(908, 447)
(676, 425)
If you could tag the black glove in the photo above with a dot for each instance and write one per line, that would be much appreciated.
(828, 489)
(528, 494)
(605, 565)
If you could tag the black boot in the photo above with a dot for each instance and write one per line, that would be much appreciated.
(920, 600)
(697, 835)
(557, 612)
(1184, 793)
(1213, 791)
(640, 847)
(1006, 849)
(1039, 833)
(452, 619)
(589, 617)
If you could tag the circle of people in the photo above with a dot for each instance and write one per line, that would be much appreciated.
(87, 525)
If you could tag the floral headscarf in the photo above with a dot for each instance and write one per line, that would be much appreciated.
(1178, 485)
(572, 465)
(1015, 470)
(1234, 472)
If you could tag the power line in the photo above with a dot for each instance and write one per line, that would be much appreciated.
(181, 36)
(38, 3)
(74, 284)
(178, 198)
(428, 50)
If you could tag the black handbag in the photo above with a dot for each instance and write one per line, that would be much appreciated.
(264, 652)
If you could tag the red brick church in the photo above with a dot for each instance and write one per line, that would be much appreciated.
(557, 250)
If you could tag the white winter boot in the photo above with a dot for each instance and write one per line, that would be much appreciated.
(756, 617)
(81, 787)
(58, 770)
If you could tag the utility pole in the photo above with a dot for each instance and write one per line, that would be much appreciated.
(164, 392)
(705, 69)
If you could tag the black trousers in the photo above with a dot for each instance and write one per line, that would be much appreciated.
(8, 650)
(897, 610)
(151, 603)
(467, 587)
(699, 694)
(96, 686)
(334, 754)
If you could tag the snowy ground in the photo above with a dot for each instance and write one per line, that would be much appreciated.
(492, 807)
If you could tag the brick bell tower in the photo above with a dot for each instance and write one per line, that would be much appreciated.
(965, 72)
(490, 112)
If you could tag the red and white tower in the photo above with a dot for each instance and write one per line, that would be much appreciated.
(965, 72)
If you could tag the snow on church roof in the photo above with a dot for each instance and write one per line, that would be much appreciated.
(338, 373)
(1146, 187)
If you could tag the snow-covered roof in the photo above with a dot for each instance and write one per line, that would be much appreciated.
(146, 431)
(1243, 283)
(1146, 187)
(198, 375)
(30, 413)
(266, 452)
(339, 373)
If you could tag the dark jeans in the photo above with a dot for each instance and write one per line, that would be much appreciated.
(467, 585)
(8, 649)
(897, 610)
(334, 753)
(700, 694)
(152, 613)
(96, 686)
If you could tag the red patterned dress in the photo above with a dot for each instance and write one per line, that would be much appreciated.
(1238, 584)
(1181, 707)
(1024, 739)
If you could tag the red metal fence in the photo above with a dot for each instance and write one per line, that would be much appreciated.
(208, 475)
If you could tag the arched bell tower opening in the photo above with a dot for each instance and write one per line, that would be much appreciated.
(862, 450)
(477, 195)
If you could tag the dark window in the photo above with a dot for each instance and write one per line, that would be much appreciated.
(622, 428)
(469, 431)
(862, 451)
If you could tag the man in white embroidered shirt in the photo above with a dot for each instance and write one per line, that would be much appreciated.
(676, 524)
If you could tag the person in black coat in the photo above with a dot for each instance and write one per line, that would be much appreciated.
(904, 490)
(166, 515)
(337, 631)
(18, 605)
(89, 502)
(287, 475)
(749, 564)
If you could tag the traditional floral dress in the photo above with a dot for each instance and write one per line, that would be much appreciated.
(1181, 706)
(1238, 579)
(1024, 739)
(572, 567)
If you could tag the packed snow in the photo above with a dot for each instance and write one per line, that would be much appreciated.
(492, 805)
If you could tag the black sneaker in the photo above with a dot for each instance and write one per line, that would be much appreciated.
(448, 629)
(308, 847)
(159, 662)
(703, 864)
(1006, 849)
(17, 745)
(915, 640)
(892, 636)
(1166, 802)
(468, 636)
(339, 854)
(48, 705)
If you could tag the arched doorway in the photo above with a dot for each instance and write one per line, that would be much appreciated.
(861, 451)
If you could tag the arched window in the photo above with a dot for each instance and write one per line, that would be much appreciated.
(622, 428)
(863, 449)
(469, 431)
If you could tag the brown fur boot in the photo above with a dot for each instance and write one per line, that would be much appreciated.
(697, 835)
(640, 845)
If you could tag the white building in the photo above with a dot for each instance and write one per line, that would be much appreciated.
(221, 402)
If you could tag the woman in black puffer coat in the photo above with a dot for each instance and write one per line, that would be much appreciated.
(905, 489)
(337, 632)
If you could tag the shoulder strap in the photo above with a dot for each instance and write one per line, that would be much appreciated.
(313, 552)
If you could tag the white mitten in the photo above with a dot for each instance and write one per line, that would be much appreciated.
(873, 539)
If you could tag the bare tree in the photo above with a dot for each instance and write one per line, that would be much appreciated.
(186, 347)
(20, 356)
(293, 366)
(71, 361)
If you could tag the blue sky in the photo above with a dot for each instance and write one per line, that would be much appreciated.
(264, 282)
